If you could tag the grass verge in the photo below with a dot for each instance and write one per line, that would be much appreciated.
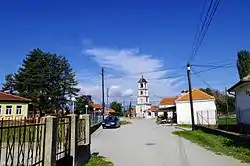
(185, 125)
(125, 122)
(218, 144)
(224, 121)
(96, 160)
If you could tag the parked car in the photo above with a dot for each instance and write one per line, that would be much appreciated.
(111, 122)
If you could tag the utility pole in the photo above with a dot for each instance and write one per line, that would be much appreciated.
(226, 106)
(103, 103)
(190, 95)
(123, 107)
(107, 97)
(130, 110)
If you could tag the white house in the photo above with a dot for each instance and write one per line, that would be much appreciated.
(151, 112)
(167, 107)
(204, 108)
(142, 104)
(242, 100)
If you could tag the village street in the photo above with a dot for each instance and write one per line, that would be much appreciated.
(144, 143)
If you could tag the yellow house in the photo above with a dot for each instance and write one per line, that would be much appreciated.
(12, 106)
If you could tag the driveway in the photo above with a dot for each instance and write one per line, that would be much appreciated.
(144, 143)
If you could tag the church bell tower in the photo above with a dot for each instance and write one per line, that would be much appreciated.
(142, 97)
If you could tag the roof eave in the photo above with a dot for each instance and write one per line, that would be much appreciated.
(22, 101)
(232, 89)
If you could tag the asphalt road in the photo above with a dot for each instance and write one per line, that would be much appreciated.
(144, 143)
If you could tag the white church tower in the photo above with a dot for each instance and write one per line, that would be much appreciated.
(142, 98)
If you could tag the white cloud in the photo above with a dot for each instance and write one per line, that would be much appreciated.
(128, 62)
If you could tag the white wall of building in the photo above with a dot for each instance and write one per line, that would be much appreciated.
(243, 104)
(204, 108)
(140, 110)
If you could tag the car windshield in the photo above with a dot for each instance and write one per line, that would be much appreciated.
(111, 118)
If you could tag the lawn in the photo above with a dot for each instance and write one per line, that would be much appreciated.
(99, 161)
(125, 122)
(219, 144)
(224, 121)
(185, 125)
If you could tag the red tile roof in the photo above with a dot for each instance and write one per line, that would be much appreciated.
(133, 110)
(8, 97)
(153, 108)
(168, 101)
(197, 95)
(97, 106)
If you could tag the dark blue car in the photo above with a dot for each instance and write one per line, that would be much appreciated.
(111, 122)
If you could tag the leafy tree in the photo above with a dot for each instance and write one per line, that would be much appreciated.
(47, 79)
(9, 85)
(80, 103)
(220, 100)
(117, 107)
(243, 63)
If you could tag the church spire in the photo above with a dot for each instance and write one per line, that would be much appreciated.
(142, 80)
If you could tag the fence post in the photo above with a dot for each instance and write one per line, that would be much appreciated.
(208, 118)
(202, 117)
(87, 129)
(197, 117)
(50, 141)
(74, 135)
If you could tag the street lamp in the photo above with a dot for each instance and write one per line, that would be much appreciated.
(73, 99)
(86, 109)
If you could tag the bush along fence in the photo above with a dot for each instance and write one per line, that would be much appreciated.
(46, 141)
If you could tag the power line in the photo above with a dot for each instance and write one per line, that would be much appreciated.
(213, 68)
(147, 72)
(199, 27)
(204, 27)
(207, 65)
(202, 79)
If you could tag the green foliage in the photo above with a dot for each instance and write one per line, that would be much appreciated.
(80, 103)
(117, 107)
(220, 99)
(9, 85)
(185, 125)
(227, 120)
(45, 78)
(96, 160)
(125, 122)
(219, 144)
(243, 63)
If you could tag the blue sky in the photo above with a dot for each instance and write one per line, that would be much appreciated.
(159, 33)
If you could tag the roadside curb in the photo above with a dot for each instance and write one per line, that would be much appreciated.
(182, 128)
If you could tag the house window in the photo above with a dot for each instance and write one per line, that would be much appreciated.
(8, 110)
(141, 92)
(19, 110)
(141, 85)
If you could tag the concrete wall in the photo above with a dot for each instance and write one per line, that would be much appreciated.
(243, 104)
(206, 108)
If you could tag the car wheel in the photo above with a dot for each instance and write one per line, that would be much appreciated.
(103, 127)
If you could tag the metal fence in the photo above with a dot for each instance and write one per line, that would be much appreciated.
(95, 118)
(206, 117)
(81, 136)
(22, 141)
(63, 137)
